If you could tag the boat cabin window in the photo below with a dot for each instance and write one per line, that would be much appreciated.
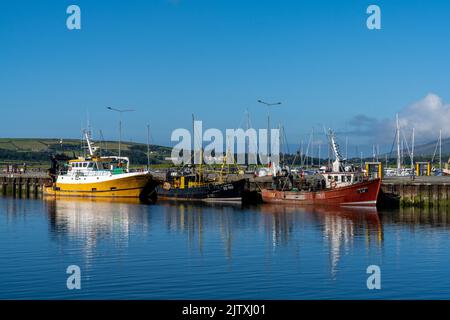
(104, 166)
(349, 178)
(342, 178)
(329, 177)
(336, 178)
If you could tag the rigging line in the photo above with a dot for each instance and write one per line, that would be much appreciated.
(295, 158)
(435, 150)
(393, 143)
(407, 146)
(298, 152)
(306, 152)
(285, 141)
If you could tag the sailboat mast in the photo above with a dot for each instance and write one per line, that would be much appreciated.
(378, 151)
(312, 147)
(148, 147)
(399, 164)
(412, 150)
(440, 149)
(319, 154)
(346, 148)
(268, 137)
(301, 154)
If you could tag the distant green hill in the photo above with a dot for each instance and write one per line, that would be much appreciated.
(40, 150)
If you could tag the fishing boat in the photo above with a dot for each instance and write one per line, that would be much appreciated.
(188, 185)
(97, 176)
(342, 185)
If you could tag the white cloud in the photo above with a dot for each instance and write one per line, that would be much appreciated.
(427, 116)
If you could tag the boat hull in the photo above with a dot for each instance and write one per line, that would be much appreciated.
(133, 186)
(214, 192)
(359, 194)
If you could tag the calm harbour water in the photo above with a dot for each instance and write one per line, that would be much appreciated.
(189, 251)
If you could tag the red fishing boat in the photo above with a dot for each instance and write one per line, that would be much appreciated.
(364, 193)
(341, 185)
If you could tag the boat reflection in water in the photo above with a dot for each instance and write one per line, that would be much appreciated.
(340, 226)
(89, 220)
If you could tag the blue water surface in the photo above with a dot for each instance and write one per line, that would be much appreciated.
(130, 250)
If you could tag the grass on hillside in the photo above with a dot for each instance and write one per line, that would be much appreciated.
(38, 151)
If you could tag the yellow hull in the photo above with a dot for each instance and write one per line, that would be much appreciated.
(127, 187)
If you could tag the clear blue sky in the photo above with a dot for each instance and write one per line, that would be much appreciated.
(168, 59)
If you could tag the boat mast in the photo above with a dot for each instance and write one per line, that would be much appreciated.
(399, 164)
(337, 164)
(148, 147)
(301, 154)
(312, 147)
(361, 160)
(268, 105)
(90, 147)
(200, 167)
(402, 152)
(412, 150)
(346, 148)
(120, 111)
(319, 153)
(440, 149)
(248, 126)
(378, 151)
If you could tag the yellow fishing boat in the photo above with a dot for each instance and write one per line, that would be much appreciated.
(96, 176)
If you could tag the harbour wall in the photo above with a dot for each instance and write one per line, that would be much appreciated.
(419, 192)
(23, 185)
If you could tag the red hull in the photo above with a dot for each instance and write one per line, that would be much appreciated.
(359, 194)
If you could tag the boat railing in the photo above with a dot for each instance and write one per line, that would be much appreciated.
(91, 173)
